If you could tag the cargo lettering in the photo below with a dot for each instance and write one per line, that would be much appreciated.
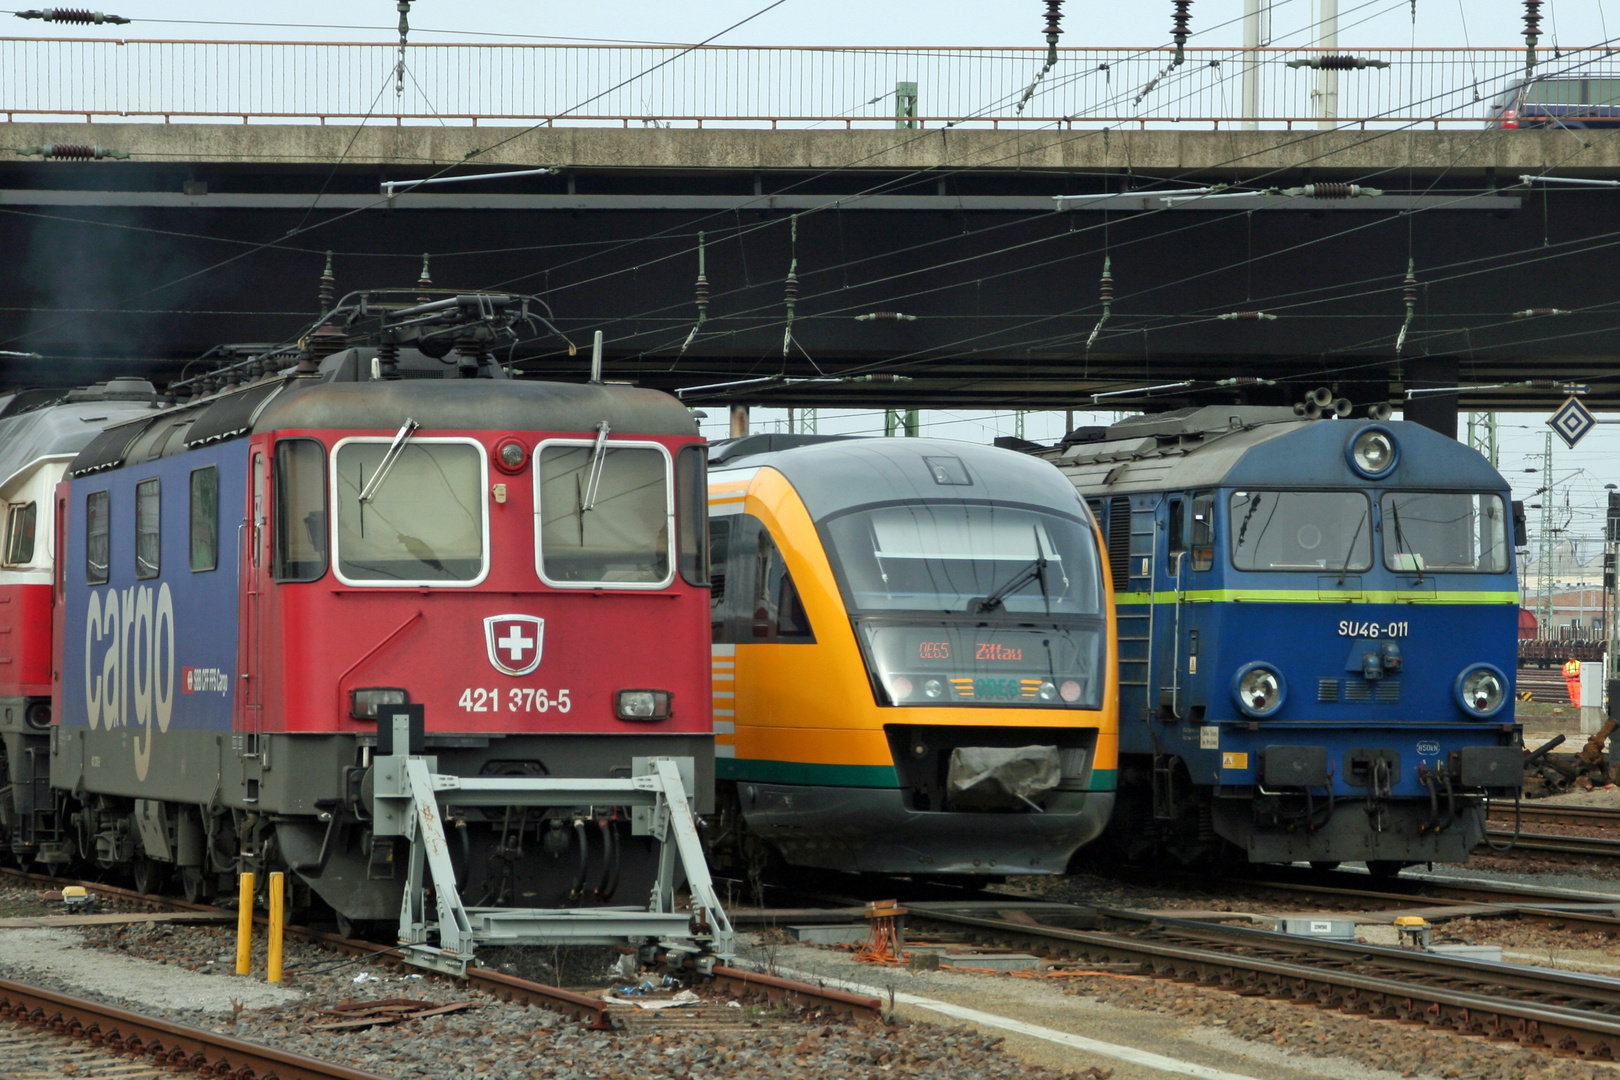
(129, 664)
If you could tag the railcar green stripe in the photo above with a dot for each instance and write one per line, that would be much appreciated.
(1314, 596)
(808, 773)
(811, 774)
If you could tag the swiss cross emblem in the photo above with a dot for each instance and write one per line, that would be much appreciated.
(514, 642)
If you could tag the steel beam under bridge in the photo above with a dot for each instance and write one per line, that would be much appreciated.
(217, 233)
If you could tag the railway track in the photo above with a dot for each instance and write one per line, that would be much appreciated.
(1552, 1010)
(1535, 816)
(41, 1031)
(748, 986)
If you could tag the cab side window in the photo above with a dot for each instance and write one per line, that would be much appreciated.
(1202, 531)
(719, 542)
(20, 534)
(97, 533)
(754, 597)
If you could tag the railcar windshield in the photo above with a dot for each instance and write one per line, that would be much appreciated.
(423, 524)
(979, 558)
(1300, 530)
(1444, 531)
(605, 515)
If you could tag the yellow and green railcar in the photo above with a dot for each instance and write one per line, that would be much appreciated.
(914, 657)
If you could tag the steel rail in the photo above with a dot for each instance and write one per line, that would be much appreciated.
(1560, 814)
(594, 1012)
(165, 1043)
(1602, 847)
(1556, 1027)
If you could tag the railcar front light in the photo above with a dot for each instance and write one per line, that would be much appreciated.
(1481, 691)
(1259, 690)
(1047, 692)
(933, 689)
(901, 687)
(365, 704)
(643, 704)
(1373, 453)
(1069, 691)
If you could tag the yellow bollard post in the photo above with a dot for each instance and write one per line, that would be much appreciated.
(278, 920)
(244, 925)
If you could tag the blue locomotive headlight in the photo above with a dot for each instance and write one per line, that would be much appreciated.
(1373, 453)
(1481, 691)
(1259, 690)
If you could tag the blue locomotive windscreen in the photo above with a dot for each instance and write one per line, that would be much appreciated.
(1301, 530)
(1444, 530)
(983, 559)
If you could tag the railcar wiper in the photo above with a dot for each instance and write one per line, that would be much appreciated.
(593, 471)
(1035, 571)
(395, 448)
(1400, 540)
(1351, 553)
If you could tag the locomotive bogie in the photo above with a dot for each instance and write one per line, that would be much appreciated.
(868, 721)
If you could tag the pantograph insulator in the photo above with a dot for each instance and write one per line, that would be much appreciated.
(1338, 62)
(73, 152)
(72, 15)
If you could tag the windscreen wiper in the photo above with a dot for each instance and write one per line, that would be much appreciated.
(593, 471)
(1035, 571)
(1351, 553)
(1402, 545)
(395, 448)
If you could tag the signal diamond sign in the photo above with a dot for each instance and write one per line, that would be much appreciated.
(1572, 421)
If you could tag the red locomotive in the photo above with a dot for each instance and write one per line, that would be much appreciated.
(248, 581)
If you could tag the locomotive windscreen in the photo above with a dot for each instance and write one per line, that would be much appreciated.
(1300, 530)
(604, 514)
(1444, 530)
(965, 557)
(425, 520)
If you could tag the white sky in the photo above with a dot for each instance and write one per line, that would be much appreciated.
(846, 22)
(1579, 474)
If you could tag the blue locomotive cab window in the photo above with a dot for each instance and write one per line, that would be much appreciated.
(1300, 530)
(979, 558)
(97, 534)
(1202, 530)
(423, 519)
(148, 531)
(1450, 531)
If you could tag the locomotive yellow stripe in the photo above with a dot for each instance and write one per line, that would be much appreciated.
(1314, 596)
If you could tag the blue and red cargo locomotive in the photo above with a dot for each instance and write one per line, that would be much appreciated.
(250, 577)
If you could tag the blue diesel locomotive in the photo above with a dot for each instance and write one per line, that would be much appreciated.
(1317, 634)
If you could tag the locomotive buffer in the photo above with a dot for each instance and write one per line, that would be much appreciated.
(410, 796)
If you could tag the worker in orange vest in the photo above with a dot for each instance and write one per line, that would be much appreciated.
(1572, 679)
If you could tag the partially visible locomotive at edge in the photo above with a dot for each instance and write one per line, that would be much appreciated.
(249, 579)
(1318, 624)
(913, 652)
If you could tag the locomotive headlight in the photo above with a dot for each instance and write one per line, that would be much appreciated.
(364, 704)
(1047, 692)
(1259, 690)
(643, 704)
(1481, 691)
(933, 689)
(1373, 453)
